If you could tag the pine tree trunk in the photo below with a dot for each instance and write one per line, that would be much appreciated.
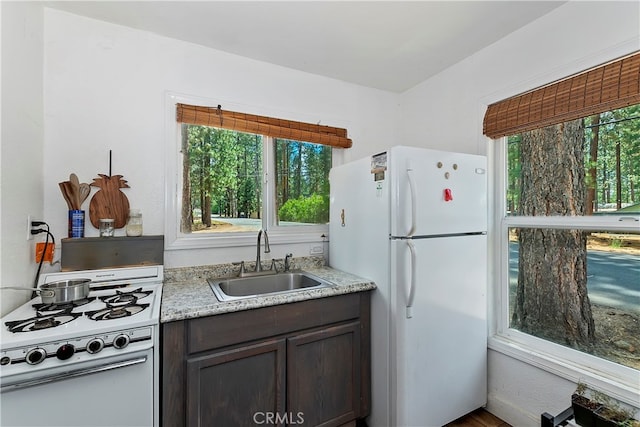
(187, 213)
(298, 172)
(285, 175)
(205, 188)
(206, 210)
(258, 178)
(591, 203)
(618, 178)
(551, 297)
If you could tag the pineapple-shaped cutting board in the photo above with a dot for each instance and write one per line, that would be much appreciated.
(109, 201)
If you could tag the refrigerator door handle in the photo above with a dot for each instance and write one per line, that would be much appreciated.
(412, 279)
(412, 192)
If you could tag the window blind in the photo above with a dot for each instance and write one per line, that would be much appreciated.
(607, 87)
(261, 125)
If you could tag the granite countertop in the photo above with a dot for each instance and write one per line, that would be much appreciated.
(186, 293)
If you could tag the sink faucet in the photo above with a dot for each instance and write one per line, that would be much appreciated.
(267, 249)
(287, 262)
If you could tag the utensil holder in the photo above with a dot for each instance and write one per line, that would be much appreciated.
(76, 223)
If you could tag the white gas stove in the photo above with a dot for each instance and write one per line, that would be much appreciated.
(102, 351)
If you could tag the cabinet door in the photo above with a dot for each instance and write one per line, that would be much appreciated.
(236, 387)
(323, 375)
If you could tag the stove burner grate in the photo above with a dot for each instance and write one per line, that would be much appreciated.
(125, 297)
(41, 321)
(116, 312)
(61, 306)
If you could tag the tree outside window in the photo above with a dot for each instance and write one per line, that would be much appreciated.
(223, 179)
(570, 282)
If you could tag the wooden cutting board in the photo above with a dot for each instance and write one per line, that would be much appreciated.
(109, 201)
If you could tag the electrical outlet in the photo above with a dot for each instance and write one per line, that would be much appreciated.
(29, 235)
(316, 250)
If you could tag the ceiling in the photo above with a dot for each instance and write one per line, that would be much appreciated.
(389, 45)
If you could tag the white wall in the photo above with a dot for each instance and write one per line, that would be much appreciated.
(105, 89)
(22, 145)
(446, 111)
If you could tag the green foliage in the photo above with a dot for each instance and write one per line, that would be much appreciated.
(618, 149)
(302, 169)
(225, 170)
(247, 197)
(302, 181)
(611, 410)
(312, 210)
(581, 388)
(225, 175)
(619, 129)
(631, 209)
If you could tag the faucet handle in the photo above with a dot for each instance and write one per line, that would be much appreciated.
(242, 270)
(273, 267)
(287, 261)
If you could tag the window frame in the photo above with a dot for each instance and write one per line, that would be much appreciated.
(612, 378)
(176, 240)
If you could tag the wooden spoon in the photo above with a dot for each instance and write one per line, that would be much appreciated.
(71, 195)
(64, 194)
(75, 186)
(73, 178)
(85, 190)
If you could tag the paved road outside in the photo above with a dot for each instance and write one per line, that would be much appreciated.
(248, 224)
(613, 279)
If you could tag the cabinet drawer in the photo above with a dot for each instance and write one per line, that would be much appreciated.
(232, 328)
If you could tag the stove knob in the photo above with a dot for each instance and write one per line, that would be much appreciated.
(35, 356)
(121, 341)
(5, 360)
(65, 351)
(95, 345)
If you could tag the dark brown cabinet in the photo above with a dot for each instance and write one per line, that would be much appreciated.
(323, 375)
(304, 363)
(216, 397)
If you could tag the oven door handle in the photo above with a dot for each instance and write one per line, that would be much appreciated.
(73, 374)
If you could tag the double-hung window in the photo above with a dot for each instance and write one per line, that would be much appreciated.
(235, 174)
(567, 227)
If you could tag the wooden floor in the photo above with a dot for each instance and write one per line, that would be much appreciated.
(478, 418)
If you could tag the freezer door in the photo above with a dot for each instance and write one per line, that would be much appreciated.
(359, 219)
(440, 357)
(436, 192)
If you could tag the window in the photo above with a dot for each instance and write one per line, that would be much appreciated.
(566, 225)
(569, 245)
(302, 183)
(231, 174)
(223, 189)
(222, 181)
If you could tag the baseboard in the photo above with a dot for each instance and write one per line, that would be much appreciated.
(511, 414)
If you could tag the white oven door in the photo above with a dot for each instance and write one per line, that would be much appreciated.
(116, 392)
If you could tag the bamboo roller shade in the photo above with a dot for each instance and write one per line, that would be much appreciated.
(261, 125)
(603, 88)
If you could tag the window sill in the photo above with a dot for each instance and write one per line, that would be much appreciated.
(229, 240)
(617, 381)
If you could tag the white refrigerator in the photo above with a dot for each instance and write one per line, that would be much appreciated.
(414, 221)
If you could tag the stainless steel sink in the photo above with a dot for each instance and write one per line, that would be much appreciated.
(229, 289)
